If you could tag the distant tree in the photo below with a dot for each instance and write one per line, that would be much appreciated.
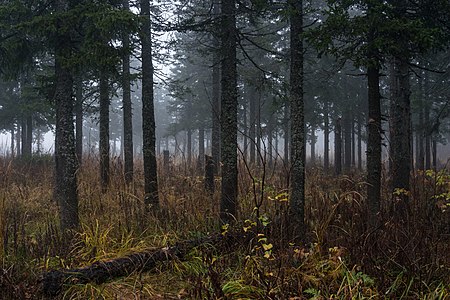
(72, 40)
(341, 18)
(368, 33)
(191, 89)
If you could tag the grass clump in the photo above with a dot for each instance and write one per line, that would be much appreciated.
(341, 259)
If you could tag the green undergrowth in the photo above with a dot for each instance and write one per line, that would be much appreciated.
(340, 258)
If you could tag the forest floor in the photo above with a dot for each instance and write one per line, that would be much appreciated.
(341, 259)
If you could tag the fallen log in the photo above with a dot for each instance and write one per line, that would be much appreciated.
(101, 272)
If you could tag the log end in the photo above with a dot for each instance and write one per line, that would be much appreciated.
(52, 283)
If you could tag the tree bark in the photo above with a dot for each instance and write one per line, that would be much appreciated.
(215, 109)
(23, 136)
(18, 141)
(359, 151)
(347, 126)
(66, 164)
(127, 109)
(326, 137)
(79, 118)
(148, 111)
(104, 131)
(229, 103)
(270, 126)
(338, 147)
(252, 131)
(259, 152)
(374, 126)
(420, 155)
(287, 134)
(352, 122)
(209, 175)
(434, 162)
(12, 141)
(427, 135)
(374, 143)
(297, 180)
(29, 137)
(245, 126)
(400, 135)
(201, 148)
(189, 148)
(166, 162)
(313, 145)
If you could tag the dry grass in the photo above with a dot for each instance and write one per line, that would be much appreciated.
(344, 260)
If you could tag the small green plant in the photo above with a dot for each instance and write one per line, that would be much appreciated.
(442, 188)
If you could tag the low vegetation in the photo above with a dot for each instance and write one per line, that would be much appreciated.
(341, 260)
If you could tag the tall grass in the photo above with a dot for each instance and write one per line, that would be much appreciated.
(343, 259)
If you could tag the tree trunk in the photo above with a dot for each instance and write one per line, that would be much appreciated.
(347, 141)
(166, 161)
(184, 141)
(426, 127)
(158, 146)
(359, 132)
(326, 137)
(215, 134)
(286, 132)
(189, 148)
(259, 152)
(127, 109)
(313, 145)
(18, 140)
(229, 101)
(12, 141)
(252, 131)
(245, 127)
(270, 126)
(400, 135)
(104, 131)
(374, 144)
(208, 141)
(353, 141)
(79, 118)
(297, 181)
(177, 146)
(434, 165)
(420, 135)
(148, 111)
(427, 136)
(38, 140)
(23, 136)
(338, 147)
(29, 137)
(276, 137)
(209, 175)
(66, 164)
(201, 148)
